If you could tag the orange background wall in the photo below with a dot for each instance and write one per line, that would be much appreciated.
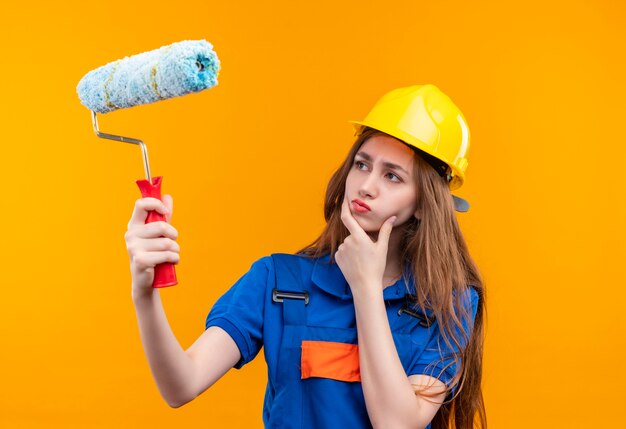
(247, 162)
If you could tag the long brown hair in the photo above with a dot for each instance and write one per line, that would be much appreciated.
(435, 252)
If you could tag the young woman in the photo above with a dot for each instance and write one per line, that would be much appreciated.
(377, 323)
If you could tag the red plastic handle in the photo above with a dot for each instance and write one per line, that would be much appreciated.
(165, 273)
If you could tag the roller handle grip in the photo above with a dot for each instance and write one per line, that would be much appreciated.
(165, 273)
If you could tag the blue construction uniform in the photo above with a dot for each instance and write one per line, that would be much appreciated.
(284, 299)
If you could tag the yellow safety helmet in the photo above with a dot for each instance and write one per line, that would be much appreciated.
(425, 118)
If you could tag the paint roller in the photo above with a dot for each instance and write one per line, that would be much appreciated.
(171, 71)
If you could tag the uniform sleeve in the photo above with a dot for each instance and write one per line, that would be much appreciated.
(240, 310)
(437, 355)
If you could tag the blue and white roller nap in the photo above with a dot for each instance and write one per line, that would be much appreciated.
(170, 71)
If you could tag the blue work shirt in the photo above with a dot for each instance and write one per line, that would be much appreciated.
(250, 315)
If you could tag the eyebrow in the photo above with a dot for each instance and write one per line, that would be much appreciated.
(387, 164)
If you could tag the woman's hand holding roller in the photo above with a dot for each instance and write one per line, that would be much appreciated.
(150, 244)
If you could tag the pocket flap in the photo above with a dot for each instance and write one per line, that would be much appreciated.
(327, 359)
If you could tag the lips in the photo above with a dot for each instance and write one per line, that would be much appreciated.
(361, 203)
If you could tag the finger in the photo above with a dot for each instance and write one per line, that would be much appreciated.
(142, 207)
(145, 260)
(350, 222)
(159, 244)
(156, 229)
(385, 232)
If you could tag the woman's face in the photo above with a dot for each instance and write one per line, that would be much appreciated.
(387, 190)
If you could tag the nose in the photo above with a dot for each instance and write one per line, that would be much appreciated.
(368, 186)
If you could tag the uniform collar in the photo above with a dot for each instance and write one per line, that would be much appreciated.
(328, 276)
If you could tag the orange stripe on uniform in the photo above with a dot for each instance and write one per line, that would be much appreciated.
(327, 359)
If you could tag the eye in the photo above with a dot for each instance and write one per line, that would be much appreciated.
(358, 164)
(397, 177)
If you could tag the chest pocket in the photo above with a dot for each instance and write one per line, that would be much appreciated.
(333, 352)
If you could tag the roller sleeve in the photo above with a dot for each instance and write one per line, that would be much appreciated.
(170, 71)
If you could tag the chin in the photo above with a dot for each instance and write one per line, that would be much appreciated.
(370, 227)
(373, 227)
